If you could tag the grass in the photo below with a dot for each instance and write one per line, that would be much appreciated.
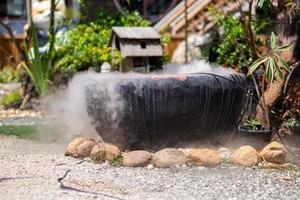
(45, 132)
(21, 131)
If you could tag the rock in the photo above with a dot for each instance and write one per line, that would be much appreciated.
(105, 151)
(106, 67)
(206, 157)
(184, 167)
(97, 155)
(201, 167)
(224, 153)
(136, 158)
(274, 153)
(268, 165)
(71, 149)
(246, 156)
(174, 168)
(167, 157)
(84, 149)
(150, 166)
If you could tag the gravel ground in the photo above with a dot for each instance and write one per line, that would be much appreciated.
(29, 170)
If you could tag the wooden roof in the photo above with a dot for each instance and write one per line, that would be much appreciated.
(136, 32)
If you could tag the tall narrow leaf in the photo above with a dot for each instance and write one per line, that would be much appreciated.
(278, 70)
(38, 65)
(256, 64)
(270, 70)
(283, 62)
(284, 47)
(273, 41)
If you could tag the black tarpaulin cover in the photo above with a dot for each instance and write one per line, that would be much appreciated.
(158, 109)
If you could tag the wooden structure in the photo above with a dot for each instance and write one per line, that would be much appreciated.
(140, 48)
(200, 20)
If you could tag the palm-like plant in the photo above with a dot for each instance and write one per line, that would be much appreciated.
(273, 64)
(272, 61)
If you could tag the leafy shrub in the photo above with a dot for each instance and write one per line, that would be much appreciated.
(8, 75)
(10, 99)
(232, 49)
(87, 44)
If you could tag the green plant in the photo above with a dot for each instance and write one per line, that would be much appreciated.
(38, 66)
(89, 49)
(8, 75)
(252, 124)
(87, 44)
(293, 122)
(232, 48)
(274, 62)
(98, 157)
(11, 98)
(117, 161)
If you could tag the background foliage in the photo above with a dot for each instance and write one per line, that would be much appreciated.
(232, 49)
(8, 75)
(86, 45)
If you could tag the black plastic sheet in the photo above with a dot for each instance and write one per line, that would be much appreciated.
(160, 109)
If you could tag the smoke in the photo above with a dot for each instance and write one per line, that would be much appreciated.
(67, 108)
(196, 66)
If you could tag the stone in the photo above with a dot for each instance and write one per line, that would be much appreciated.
(97, 155)
(105, 150)
(205, 157)
(224, 153)
(150, 166)
(106, 67)
(246, 156)
(84, 149)
(168, 157)
(274, 153)
(71, 149)
(136, 158)
(268, 165)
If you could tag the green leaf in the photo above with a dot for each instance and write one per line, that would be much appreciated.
(270, 70)
(256, 64)
(284, 47)
(284, 64)
(277, 68)
(273, 40)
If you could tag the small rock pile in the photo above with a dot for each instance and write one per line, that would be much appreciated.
(272, 156)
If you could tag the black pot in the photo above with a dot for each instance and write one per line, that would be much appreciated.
(160, 109)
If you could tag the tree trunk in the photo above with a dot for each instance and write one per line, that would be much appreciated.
(271, 96)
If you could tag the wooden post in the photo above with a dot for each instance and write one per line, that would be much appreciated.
(186, 30)
(147, 65)
(29, 13)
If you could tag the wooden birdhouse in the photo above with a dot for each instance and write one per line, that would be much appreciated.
(140, 48)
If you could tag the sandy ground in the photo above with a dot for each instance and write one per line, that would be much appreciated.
(29, 170)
